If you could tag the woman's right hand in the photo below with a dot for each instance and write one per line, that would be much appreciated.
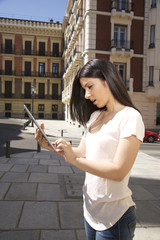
(44, 143)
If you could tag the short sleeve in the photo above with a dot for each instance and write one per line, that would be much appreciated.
(132, 124)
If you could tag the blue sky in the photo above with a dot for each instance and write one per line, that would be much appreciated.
(39, 10)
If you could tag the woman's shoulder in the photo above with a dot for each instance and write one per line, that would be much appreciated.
(132, 111)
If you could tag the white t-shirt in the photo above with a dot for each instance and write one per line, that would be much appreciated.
(105, 200)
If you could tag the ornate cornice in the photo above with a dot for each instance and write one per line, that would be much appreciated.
(30, 27)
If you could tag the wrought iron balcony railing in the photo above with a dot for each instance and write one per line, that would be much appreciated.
(122, 5)
(119, 44)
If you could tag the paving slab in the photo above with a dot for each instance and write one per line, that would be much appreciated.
(9, 214)
(20, 235)
(22, 191)
(21, 160)
(43, 178)
(49, 162)
(58, 235)
(71, 215)
(49, 192)
(147, 233)
(81, 234)
(19, 168)
(39, 215)
(38, 168)
(3, 189)
(59, 169)
(15, 177)
(140, 193)
(4, 160)
(1, 174)
(148, 213)
(5, 167)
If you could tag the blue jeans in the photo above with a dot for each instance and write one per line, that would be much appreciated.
(121, 230)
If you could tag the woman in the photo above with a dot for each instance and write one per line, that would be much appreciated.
(107, 151)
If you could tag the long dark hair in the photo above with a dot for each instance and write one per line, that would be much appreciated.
(81, 108)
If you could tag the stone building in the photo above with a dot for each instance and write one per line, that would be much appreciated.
(31, 68)
(124, 32)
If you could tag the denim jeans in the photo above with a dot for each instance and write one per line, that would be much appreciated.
(121, 230)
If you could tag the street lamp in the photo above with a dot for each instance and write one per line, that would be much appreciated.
(33, 95)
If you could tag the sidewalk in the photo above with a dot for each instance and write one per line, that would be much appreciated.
(41, 198)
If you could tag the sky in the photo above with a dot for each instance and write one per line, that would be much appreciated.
(38, 10)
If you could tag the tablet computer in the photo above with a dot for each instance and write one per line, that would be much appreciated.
(38, 126)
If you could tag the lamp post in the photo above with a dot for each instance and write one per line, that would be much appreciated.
(33, 95)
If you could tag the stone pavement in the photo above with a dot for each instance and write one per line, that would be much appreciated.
(41, 197)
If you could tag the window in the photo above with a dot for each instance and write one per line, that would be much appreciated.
(28, 47)
(41, 110)
(121, 68)
(152, 37)
(120, 37)
(151, 75)
(54, 107)
(41, 48)
(27, 90)
(55, 69)
(41, 107)
(56, 49)
(27, 68)
(154, 4)
(8, 46)
(41, 69)
(121, 5)
(8, 67)
(158, 114)
(54, 91)
(8, 89)
(41, 90)
(8, 106)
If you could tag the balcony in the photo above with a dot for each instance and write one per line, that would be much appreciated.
(27, 73)
(122, 8)
(7, 72)
(42, 53)
(122, 47)
(122, 5)
(7, 51)
(27, 52)
(79, 20)
(49, 75)
(77, 55)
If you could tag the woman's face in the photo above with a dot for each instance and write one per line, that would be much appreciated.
(96, 90)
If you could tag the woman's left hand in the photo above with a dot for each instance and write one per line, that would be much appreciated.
(63, 146)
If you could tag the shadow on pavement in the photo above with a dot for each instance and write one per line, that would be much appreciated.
(146, 195)
(18, 144)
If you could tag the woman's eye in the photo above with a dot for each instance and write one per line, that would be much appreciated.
(90, 86)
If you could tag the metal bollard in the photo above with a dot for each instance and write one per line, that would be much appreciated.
(8, 149)
(61, 133)
(38, 147)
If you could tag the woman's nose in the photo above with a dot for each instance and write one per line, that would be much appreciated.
(87, 95)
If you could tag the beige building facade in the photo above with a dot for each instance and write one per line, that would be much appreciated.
(31, 68)
(119, 31)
